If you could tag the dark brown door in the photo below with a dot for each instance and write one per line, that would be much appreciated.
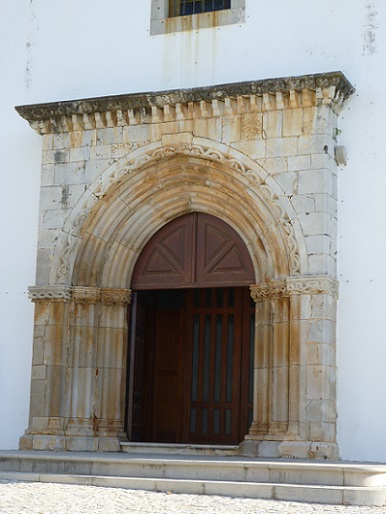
(195, 357)
(198, 365)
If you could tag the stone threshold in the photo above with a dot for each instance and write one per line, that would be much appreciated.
(179, 449)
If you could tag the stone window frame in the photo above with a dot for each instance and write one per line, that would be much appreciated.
(161, 23)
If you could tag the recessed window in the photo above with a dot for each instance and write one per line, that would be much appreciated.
(186, 7)
(183, 15)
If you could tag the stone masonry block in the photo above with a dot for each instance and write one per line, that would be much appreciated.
(100, 152)
(299, 163)
(274, 165)
(321, 410)
(61, 140)
(81, 153)
(322, 265)
(231, 129)
(95, 168)
(322, 160)
(318, 244)
(38, 398)
(70, 173)
(54, 218)
(314, 223)
(293, 122)
(322, 331)
(51, 197)
(254, 149)
(55, 156)
(177, 139)
(210, 128)
(39, 372)
(303, 203)
(315, 181)
(134, 133)
(272, 124)
(288, 182)
(318, 144)
(109, 136)
(318, 382)
(318, 353)
(327, 203)
(282, 147)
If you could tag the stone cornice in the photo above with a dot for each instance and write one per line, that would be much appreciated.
(155, 107)
(306, 285)
(79, 294)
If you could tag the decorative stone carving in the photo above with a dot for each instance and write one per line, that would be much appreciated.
(116, 296)
(53, 293)
(302, 285)
(291, 92)
(313, 285)
(86, 294)
(132, 163)
(260, 292)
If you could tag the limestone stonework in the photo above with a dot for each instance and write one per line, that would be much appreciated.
(258, 155)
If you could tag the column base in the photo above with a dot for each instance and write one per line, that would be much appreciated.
(71, 443)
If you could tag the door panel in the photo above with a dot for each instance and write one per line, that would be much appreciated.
(198, 370)
(194, 250)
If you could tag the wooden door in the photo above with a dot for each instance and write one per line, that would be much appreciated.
(198, 369)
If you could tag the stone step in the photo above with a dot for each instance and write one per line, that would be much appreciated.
(371, 496)
(320, 482)
(179, 449)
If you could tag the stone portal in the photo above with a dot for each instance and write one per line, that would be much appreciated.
(260, 157)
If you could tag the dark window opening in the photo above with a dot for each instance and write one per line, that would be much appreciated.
(187, 7)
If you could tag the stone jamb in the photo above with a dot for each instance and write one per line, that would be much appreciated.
(70, 413)
(297, 441)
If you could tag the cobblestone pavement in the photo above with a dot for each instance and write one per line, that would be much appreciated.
(46, 498)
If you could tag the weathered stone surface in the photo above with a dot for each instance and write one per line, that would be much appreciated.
(258, 155)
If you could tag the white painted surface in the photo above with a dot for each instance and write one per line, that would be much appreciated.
(53, 51)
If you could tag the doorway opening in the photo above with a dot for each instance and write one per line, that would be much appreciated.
(191, 366)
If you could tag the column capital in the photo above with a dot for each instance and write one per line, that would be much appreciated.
(274, 289)
(110, 296)
(306, 285)
(90, 295)
(51, 293)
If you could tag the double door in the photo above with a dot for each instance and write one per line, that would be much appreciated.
(191, 366)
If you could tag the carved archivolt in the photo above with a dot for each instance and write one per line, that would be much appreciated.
(295, 286)
(79, 294)
(249, 171)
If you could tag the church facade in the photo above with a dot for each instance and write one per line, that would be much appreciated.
(188, 282)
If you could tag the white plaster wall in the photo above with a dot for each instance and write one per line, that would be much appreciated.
(64, 50)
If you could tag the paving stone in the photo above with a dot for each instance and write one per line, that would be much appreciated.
(48, 498)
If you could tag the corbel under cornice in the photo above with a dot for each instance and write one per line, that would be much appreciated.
(211, 101)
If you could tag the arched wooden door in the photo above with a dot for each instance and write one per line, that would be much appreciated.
(192, 335)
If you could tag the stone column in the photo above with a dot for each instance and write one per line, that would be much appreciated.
(109, 414)
(82, 370)
(270, 415)
(49, 368)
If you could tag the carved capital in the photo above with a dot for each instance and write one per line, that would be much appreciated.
(115, 296)
(313, 285)
(276, 289)
(49, 293)
(82, 294)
